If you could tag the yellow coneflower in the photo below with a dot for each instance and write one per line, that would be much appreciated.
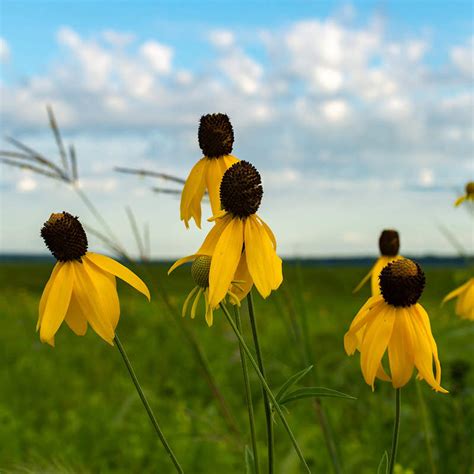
(241, 245)
(200, 272)
(465, 303)
(216, 138)
(395, 320)
(389, 245)
(469, 196)
(82, 287)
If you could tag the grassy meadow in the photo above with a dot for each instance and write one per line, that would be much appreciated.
(73, 409)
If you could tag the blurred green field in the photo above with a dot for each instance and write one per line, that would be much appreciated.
(74, 409)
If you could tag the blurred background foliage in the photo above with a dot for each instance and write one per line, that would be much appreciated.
(74, 409)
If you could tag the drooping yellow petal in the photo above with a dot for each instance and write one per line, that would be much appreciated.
(76, 318)
(264, 265)
(423, 353)
(88, 298)
(371, 303)
(225, 259)
(208, 246)
(425, 321)
(465, 303)
(353, 337)
(229, 160)
(193, 191)
(209, 310)
(382, 375)
(58, 302)
(115, 268)
(242, 275)
(195, 303)
(456, 292)
(187, 300)
(268, 230)
(460, 200)
(214, 175)
(375, 342)
(400, 350)
(106, 287)
(47, 289)
(363, 281)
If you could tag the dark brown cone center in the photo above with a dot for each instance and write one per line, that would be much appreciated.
(65, 237)
(241, 189)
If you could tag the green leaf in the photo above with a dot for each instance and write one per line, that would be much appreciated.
(383, 464)
(290, 382)
(249, 461)
(314, 392)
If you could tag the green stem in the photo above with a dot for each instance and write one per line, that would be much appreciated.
(396, 431)
(426, 428)
(266, 400)
(267, 388)
(309, 360)
(147, 405)
(248, 394)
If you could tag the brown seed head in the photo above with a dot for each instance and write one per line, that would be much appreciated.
(402, 282)
(215, 135)
(241, 189)
(65, 237)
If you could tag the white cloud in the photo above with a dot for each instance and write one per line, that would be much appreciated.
(335, 110)
(4, 51)
(463, 57)
(26, 184)
(242, 70)
(426, 177)
(118, 38)
(322, 107)
(158, 56)
(222, 38)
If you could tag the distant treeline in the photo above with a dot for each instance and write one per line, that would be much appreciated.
(362, 261)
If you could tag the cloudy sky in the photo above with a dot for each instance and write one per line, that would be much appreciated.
(359, 115)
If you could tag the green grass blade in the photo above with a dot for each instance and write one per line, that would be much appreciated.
(314, 392)
(294, 379)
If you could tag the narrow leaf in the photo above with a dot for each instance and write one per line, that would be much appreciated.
(249, 461)
(383, 464)
(290, 382)
(314, 392)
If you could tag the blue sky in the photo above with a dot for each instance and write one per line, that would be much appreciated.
(345, 108)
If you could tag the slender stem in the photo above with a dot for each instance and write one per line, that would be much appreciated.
(189, 335)
(318, 404)
(426, 428)
(248, 394)
(396, 430)
(266, 400)
(147, 405)
(267, 388)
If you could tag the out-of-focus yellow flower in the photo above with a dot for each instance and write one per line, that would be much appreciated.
(469, 196)
(394, 320)
(389, 245)
(465, 303)
(216, 138)
(82, 287)
(242, 246)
